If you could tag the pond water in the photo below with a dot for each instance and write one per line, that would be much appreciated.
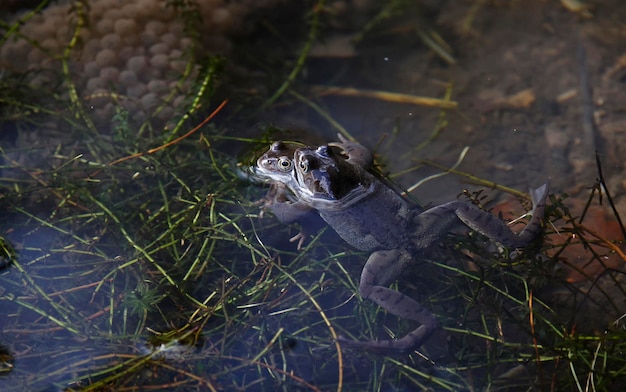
(143, 262)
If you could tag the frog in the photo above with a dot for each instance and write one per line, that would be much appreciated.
(283, 199)
(276, 165)
(369, 215)
(288, 201)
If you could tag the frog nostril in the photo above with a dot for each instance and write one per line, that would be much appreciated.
(323, 150)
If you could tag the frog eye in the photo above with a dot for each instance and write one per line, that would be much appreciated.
(284, 164)
(304, 165)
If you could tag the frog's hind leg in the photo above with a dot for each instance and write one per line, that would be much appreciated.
(381, 268)
(494, 228)
(538, 196)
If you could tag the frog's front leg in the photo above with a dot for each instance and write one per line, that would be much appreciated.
(287, 211)
(356, 153)
(381, 268)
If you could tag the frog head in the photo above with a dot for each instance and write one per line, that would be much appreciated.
(325, 174)
(276, 164)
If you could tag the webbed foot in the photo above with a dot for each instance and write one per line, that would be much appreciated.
(356, 154)
(300, 237)
(408, 343)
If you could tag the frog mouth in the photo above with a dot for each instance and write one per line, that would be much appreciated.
(320, 185)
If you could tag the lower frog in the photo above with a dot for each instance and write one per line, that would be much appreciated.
(287, 200)
(371, 216)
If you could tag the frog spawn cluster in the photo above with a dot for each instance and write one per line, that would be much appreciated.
(135, 49)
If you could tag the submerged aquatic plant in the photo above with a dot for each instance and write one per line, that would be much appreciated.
(141, 261)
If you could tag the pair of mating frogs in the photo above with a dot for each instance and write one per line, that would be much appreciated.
(332, 181)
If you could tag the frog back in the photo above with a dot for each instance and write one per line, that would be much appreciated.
(381, 220)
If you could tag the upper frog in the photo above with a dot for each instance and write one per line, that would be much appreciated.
(290, 201)
(277, 166)
(371, 216)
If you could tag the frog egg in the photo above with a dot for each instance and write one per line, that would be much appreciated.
(104, 26)
(177, 29)
(146, 9)
(166, 14)
(63, 33)
(98, 8)
(130, 10)
(207, 6)
(148, 38)
(49, 63)
(113, 14)
(221, 18)
(127, 78)
(51, 45)
(155, 27)
(110, 41)
(178, 65)
(159, 48)
(85, 34)
(137, 64)
(160, 61)
(165, 113)
(126, 53)
(44, 30)
(106, 57)
(56, 12)
(149, 101)
(35, 57)
(95, 83)
(137, 90)
(15, 52)
(131, 106)
(158, 87)
(104, 113)
(187, 85)
(149, 74)
(185, 43)
(178, 101)
(131, 40)
(125, 27)
(91, 49)
(110, 74)
(39, 80)
(170, 39)
(138, 116)
(37, 20)
(91, 69)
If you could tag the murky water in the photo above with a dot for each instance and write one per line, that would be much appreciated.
(158, 271)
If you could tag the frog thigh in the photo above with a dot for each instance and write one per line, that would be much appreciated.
(434, 222)
(382, 267)
(289, 212)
